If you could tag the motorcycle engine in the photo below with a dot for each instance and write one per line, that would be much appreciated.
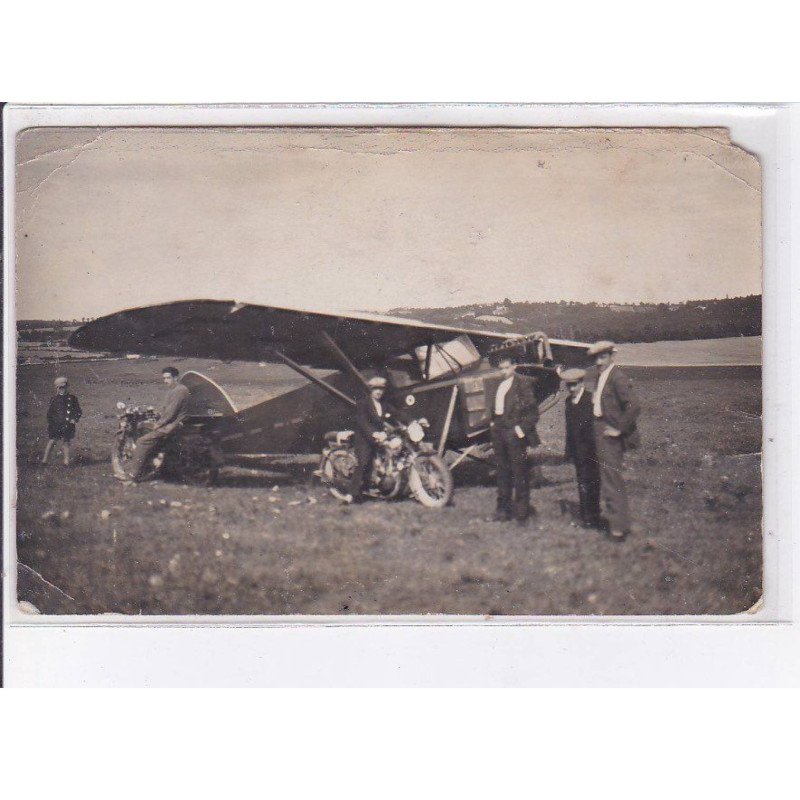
(383, 472)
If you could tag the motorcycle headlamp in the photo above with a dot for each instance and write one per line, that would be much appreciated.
(416, 432)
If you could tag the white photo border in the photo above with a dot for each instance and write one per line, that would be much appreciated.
(92, 649)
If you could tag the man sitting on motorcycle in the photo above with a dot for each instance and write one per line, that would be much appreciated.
(371, 415)
(173, 411)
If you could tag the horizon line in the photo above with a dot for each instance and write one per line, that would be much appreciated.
(462, 305)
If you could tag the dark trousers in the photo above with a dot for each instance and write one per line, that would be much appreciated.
(145, 447)
(610, 453)
(365, 454)
(513, 476)
(588, 493)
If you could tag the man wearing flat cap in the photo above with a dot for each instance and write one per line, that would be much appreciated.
(615, 408)
(371, 413)
(515, 413)
(581, 448)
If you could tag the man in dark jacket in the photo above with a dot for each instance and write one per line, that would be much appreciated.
(580, 448)
(371, 414)
(173, 411)
(62, 416)
(513, 429)
(615, 408)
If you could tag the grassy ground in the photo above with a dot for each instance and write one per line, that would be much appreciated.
(271, 541)
(697, 353)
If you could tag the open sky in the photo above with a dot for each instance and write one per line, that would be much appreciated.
(372, 219)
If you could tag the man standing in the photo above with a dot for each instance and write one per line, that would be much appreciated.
(171, 414)
(580, 446)
(371, 413)
(615, 409)
(513, 428)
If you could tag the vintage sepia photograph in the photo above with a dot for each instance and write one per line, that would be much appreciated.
(496, 372)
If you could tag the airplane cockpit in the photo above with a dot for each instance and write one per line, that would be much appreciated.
(432, 362)
(447, 357)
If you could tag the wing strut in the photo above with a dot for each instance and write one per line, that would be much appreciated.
(308, 375)
(448, 419)
(428, 353)
(342, 358)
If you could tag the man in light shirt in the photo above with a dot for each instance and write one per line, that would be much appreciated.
(513, 428)
(615, 408)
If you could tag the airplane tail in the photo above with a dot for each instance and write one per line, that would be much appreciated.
(207, 397)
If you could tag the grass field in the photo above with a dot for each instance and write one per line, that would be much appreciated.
(733, 351)
(271, 541)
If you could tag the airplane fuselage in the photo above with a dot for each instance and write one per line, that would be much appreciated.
(296, 422)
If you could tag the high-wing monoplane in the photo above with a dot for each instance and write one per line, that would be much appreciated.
(446, 374)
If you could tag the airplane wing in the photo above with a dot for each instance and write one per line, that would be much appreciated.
(232, 331)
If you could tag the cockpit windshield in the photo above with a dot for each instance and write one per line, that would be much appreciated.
(447, 357)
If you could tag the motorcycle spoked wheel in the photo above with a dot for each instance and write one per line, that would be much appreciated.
(337, 469)
(431, 481)
(121, 455)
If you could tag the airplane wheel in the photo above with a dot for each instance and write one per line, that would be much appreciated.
(207, 476)
(431, 481)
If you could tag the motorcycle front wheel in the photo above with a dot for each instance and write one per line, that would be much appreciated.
(121, 455)
(430, 481)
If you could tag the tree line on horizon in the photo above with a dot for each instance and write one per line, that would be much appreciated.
(620, 322)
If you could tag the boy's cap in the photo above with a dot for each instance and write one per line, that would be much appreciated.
(60, 382)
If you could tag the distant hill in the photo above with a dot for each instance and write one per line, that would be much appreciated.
(621, 322)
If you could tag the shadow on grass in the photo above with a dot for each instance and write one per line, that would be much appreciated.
(472, 472)
(90, 459)
(262, 476)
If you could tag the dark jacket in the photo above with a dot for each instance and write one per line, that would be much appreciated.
(619, 403)
(580, 442)
(367, 420)
(63, 413)
(520, 408)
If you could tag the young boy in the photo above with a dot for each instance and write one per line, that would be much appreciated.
(580, 446)
(63, 414)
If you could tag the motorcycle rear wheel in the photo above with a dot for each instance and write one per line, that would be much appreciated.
(336, 470)
(431, 481)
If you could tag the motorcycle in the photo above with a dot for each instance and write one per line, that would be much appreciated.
(191, 454)
(404, 464)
